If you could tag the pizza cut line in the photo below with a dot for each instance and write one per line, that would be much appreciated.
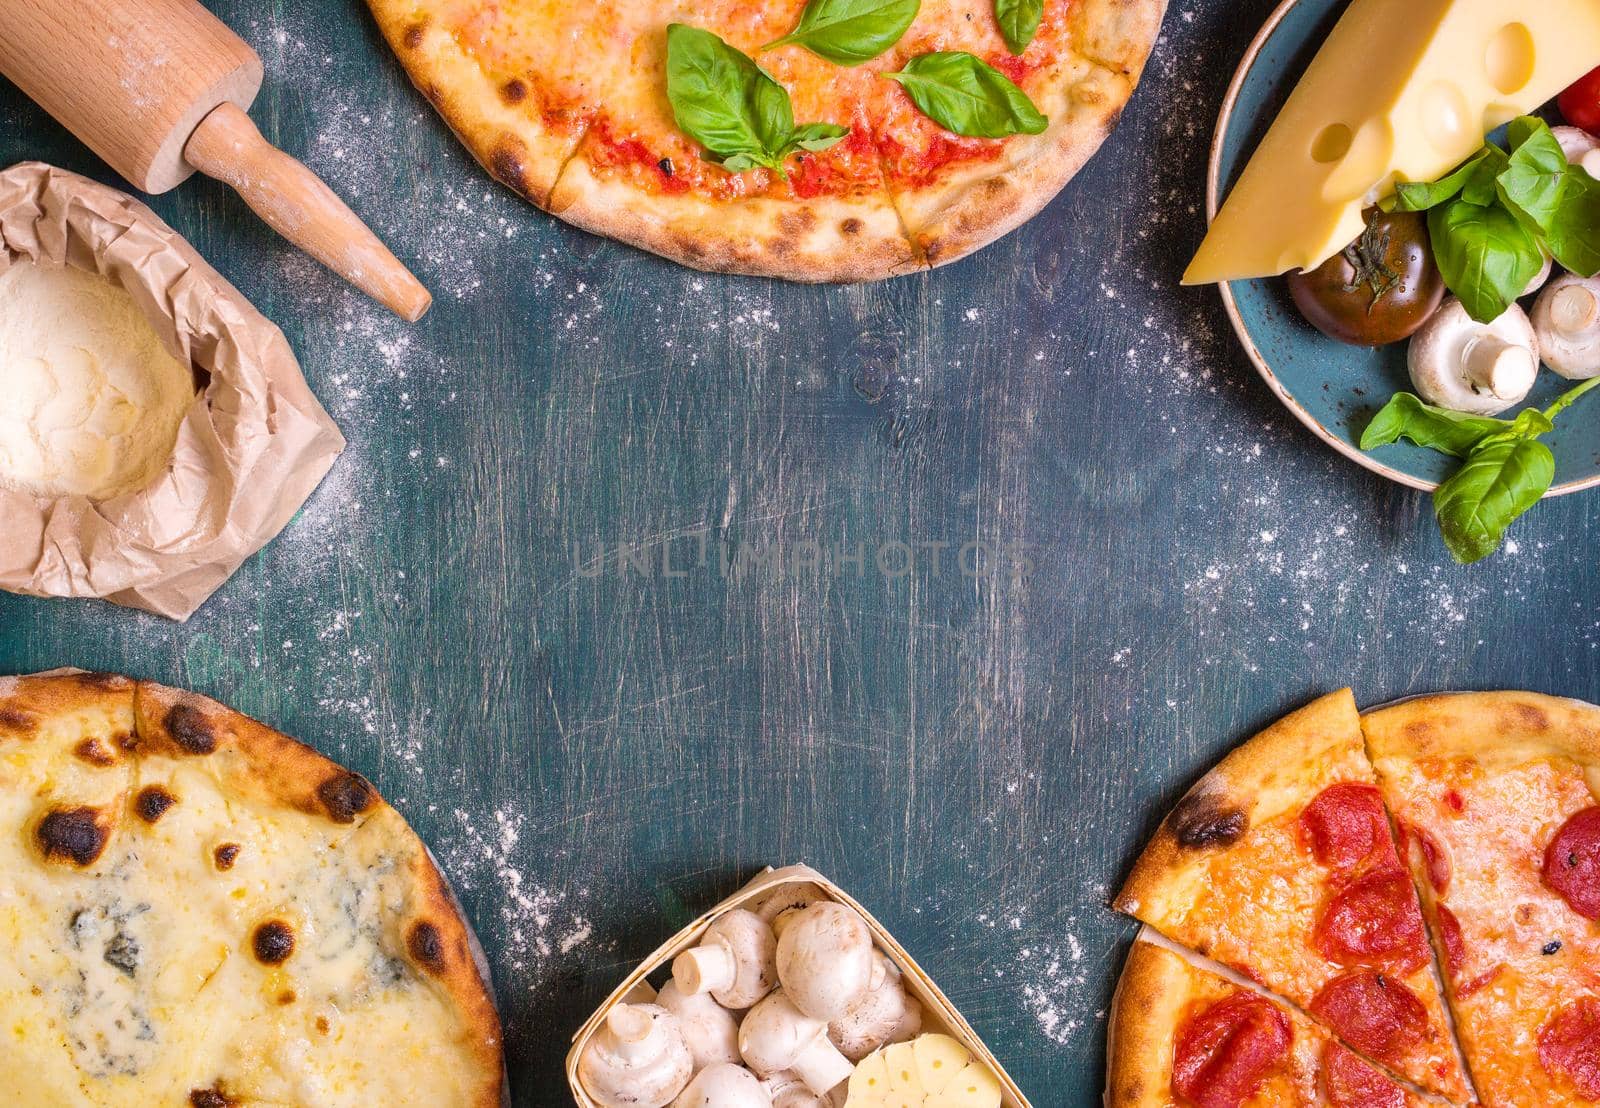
(1419, 885)
(566, 104)
(199, 910)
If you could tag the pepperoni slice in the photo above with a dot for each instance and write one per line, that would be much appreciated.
(1348, 1082)
(1373, 1013)
(1572, 863)
(1455, 947)
(1223, 1054)
(1569, 1045)
(1346, 825)
(1374, 921)
(1434, 859)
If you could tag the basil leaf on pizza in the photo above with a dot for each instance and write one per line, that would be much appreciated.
(967, 96)
(1019, 21)
(731, 106)
(849, 32)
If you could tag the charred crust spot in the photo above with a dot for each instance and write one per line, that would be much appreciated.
(286, 998)
(507, 166)
(95, 752)
(190, 729)
(797, 221)
(127, 741)
(225, 855)
(322, 1024)
(102, 680)
(14, 719)
(850, 227)
(514, 91)
(426, 946)
(213, 1097)
(72, 834)
(1530, 717)
(413, 35)
(1202, 820)
(346, 796)
(272, 942)
(152, 803)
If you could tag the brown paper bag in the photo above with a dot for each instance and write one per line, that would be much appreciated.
(251, 448)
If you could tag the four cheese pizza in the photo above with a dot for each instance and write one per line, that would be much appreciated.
(1298, 863)
(821, 140)
(195, 909)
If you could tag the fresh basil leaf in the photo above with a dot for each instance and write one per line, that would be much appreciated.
(965, 95)
(729, 105)
(1019, 21)
(849, 32)
(1574, 234)
(723, 100)
(1406, 416)
(1483, 185)
(1533, 180)
(815, 137)
(1419, 196)
(1503, 476)
(1486, 256)
(1524, 127)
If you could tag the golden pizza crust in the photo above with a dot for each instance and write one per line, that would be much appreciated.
(874, 234)
(115, 781)
(1152, 995)
(1277, 771)
(1495, 728)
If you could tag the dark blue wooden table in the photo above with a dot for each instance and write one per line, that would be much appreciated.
(634, 579)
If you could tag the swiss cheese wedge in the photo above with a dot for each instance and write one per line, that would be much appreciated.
(1402, 90)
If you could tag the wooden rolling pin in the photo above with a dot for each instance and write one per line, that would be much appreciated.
(159, 89)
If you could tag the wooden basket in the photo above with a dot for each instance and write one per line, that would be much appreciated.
(938, 1013)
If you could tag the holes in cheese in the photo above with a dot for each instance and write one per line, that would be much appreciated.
(1416, 84)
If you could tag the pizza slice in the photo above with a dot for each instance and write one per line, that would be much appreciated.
(1494, 800)
(1280, 864)
(1182, 1034)
(956, 193)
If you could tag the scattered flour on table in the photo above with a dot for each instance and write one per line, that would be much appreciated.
(537, 924)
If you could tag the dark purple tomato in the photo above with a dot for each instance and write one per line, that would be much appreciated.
(1379, 289)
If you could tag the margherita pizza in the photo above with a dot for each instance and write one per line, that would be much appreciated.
(815, 140)
(1282, 863)
(1183, 1034)
(195, 909)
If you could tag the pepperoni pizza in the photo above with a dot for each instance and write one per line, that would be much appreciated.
(1280, 864)
(819, 165)
(1184, 1034)
(1298, 862)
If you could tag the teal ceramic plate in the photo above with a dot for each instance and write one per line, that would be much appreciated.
(1332, 388)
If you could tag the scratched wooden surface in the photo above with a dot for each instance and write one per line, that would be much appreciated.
(600, 746)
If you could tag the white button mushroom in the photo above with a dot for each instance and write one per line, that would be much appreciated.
(1566, 319)
(636, 1059)
(709, 1029)
(734, 961)
(788, 1091)
(1580, 147)
(776, 905)
(885, 1015)
(776, 1036)
(1467, 366)
(826, 960)
(724, 1086)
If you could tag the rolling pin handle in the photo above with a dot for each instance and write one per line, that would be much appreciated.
(300, 207)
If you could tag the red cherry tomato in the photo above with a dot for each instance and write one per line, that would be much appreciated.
(1580, 104)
